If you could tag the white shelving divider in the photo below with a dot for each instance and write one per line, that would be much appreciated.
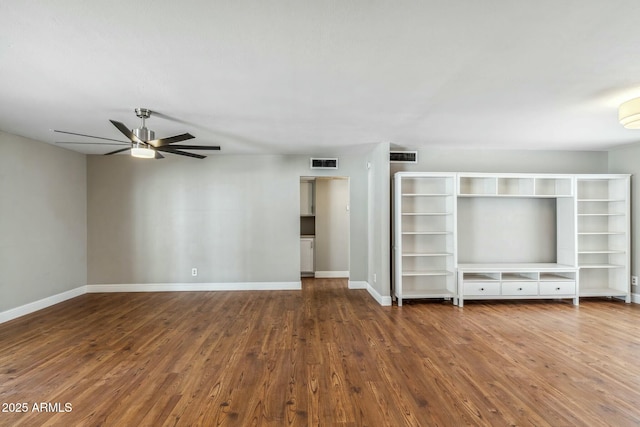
(424, 236)
(604, 235)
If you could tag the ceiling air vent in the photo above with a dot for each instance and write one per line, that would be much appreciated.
(403, 156)
(324, 163)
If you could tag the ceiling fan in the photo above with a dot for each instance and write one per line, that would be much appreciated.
(143, 143)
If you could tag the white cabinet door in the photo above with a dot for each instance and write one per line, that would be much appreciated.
(306, 255)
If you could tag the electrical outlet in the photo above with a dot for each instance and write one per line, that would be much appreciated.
(634, 280)
(374, 277)
(194, 271)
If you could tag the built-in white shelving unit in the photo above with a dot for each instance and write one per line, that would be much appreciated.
(454, 231)
(604, 235)
(424, 242)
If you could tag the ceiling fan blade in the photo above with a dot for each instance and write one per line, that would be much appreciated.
(191, 147)
(181, 153)
(118, 151)
(172, 139)
(92, 143)
(122, 128)
(158, 155)
(89, 136)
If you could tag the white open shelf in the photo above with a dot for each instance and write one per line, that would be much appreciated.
(427, 273)
(424, 226)
(603, 292)
(426, 254)
(426, 213)
(584, 265)
(515, 185)
(426, 293)
(426, 232)
(425, 195)
(603, 236)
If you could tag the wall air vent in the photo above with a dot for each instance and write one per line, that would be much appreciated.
(403, 156)
(317, 163)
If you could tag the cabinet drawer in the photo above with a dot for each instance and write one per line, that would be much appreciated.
(481, 288)
(557, 288)
(519, 288)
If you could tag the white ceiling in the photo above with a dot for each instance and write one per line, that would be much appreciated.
(304, 76)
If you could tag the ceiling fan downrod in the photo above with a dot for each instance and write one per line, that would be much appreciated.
(143, 133)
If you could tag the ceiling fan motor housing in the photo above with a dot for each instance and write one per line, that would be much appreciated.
(144, 134)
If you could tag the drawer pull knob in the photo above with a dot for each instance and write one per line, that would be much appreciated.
(519, 289)
(557, 289)
(482, 289)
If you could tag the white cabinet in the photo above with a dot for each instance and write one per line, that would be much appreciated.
(307, 264)
(424, 242)
(516, 281)
(604, 235)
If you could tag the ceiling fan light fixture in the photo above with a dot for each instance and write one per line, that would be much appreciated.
(629, 114)
(142, 152)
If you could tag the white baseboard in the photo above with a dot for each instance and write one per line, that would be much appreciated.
(361, 284)
(14, 313)
(31, 307)
(356, 284)
(187, 287)
(382, 300)
(331, 274)
(635, 298)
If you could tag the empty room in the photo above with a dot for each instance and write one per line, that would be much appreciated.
(365, 213)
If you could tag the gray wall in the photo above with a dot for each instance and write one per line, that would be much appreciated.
(232, 217)
(379, 206)
(508, 229)
(42, 221)
(518, 161)
(332, 224)
(627, 160)
(235, 218)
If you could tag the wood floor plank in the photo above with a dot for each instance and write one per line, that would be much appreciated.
(322, 356)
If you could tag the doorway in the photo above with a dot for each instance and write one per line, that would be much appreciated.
(324, 227)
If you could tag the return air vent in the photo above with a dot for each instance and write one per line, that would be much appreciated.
(403, 156)
(324, 163)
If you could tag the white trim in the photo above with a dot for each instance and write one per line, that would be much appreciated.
(31, 307)
(331, 274)
(356, 284)
(186, 287)
(635, 298)
(382, 300)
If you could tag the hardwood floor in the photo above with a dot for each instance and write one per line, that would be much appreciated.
(323, 356)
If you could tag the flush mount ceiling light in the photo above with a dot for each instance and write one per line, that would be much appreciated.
(139, 150)
(629, 114)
